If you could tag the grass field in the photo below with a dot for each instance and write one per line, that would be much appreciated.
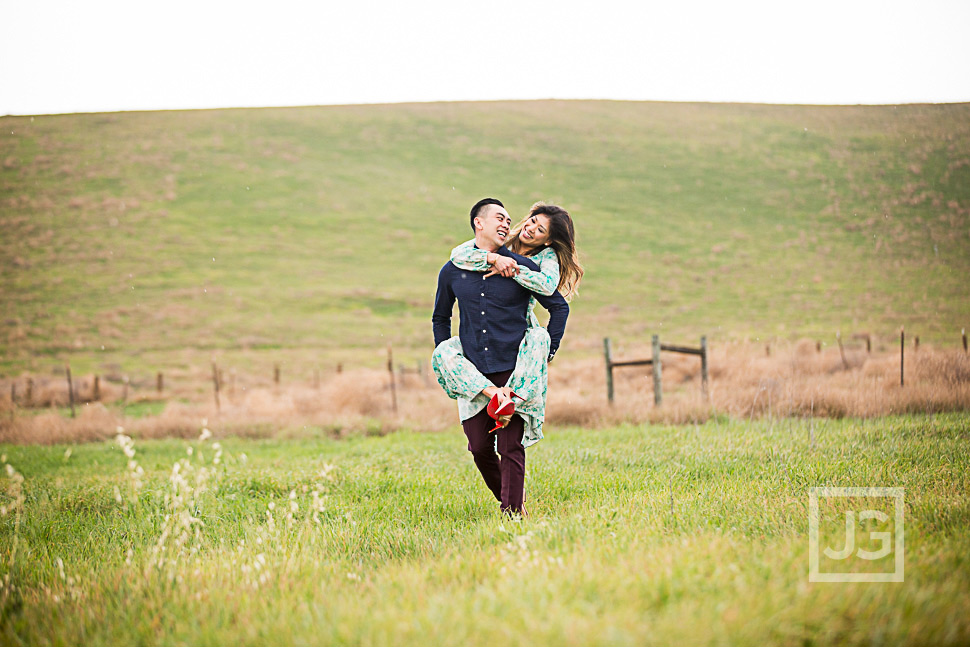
(691, 534)
(304, 238)
(138, 242)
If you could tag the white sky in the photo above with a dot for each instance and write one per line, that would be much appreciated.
(107, 55)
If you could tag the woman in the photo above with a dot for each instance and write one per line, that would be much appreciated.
(547, 236)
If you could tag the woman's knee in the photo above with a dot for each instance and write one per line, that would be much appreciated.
(538, 337)
(447, 349)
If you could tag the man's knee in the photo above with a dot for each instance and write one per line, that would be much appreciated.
(510, 438)
(480, 444)
(482, 447)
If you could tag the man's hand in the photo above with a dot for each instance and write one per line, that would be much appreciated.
(502, 265)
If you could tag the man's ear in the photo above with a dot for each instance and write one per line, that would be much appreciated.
(478, 222)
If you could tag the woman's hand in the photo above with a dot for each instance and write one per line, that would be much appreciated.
(501, 265)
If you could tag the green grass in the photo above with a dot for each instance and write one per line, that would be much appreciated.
(143, 409)
(312, 236)
(638, 535)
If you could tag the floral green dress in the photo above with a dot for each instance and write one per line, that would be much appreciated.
(463, 382)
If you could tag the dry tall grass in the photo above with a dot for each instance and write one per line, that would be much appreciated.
(745, 382)
(794, 381)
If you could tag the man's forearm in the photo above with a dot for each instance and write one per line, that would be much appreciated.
(558, 314)
(441, 330)
(444, 302)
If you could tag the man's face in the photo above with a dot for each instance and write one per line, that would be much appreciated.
(493, 224)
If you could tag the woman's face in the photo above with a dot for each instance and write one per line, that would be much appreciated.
(535, 231)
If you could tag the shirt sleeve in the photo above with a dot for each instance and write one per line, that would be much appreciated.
(546, 280)
(468, 257)
(558, 313)
(444, 302)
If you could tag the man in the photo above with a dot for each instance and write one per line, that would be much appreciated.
(493, 312)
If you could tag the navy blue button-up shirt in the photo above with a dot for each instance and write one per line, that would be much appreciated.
(492, 314)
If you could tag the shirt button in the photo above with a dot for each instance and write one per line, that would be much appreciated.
(483, 330)
(486, 349)
(483, 294)
(483, 312)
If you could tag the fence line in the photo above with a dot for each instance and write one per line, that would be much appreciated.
(215, 384)
(390, 371)
(656, 364)
(902, 353)
(419, 370)
(70, 388)
(25, 398)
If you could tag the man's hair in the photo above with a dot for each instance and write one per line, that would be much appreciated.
(481, 204)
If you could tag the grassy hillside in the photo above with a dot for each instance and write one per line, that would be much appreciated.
(314, 235)
(693, 535)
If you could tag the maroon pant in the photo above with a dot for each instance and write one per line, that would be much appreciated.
(504, 476)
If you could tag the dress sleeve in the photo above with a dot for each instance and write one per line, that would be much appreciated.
(546, 280)
(468, 257)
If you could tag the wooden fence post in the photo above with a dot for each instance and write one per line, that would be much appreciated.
(29, 396)
(159, 382)
(215, 384)
(655, 362)
(838, 338)
(97, 388)
(609, 369)
(916, 342)
(818, 347)
(902, 352)
(704, 387)
(390, 371)
(963, 333)
(868, 344)
(70, 388)
(276, 374)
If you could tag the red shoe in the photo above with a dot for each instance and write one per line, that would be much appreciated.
(501, 410)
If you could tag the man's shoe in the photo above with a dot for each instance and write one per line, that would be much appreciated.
(516, 515)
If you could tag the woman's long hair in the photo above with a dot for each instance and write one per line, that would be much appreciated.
(562, 239)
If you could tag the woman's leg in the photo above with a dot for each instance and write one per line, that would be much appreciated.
(456, 375)
(530, 376)
(530, 380)
(461, 379)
